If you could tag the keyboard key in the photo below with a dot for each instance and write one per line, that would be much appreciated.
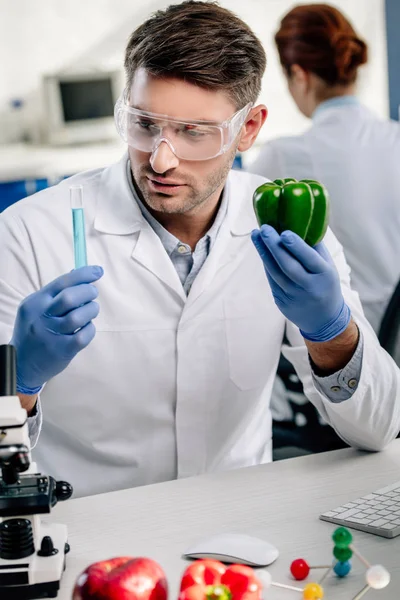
(356, 520)
(370, 497)
(379, 523)
(348, 513)
(389, 526)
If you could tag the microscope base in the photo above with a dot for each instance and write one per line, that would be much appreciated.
(36, 576)
(33, 592)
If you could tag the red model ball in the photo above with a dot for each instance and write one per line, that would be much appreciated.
(299, 569)
(122, 578)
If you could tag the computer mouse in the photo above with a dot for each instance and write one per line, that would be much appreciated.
(235, 548)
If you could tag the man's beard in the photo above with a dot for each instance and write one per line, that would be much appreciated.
(194, 194)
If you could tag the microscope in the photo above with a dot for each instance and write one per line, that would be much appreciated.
(32, 553)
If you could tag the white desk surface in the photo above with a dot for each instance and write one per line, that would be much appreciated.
(26, 161)
(280, 502)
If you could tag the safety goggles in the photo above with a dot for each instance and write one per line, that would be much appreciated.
(188, 140)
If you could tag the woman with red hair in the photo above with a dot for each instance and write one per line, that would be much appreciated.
(355, 154)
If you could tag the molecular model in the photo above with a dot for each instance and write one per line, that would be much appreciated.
(377, 577)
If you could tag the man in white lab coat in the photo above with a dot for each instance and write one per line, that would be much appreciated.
(175, 379)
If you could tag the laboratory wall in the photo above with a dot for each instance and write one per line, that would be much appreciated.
(43, 36)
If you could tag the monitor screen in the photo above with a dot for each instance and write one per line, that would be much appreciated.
(90, 99)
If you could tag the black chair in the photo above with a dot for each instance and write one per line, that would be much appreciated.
(389, 332)
(304, 434)
(290, 439)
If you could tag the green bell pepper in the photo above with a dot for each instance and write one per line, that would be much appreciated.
(300, 206)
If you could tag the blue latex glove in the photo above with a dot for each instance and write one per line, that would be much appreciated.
(304, 282)
(53, 325)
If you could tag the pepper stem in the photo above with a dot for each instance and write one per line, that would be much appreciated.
(218, 592)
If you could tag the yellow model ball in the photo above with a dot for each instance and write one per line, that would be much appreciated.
(313, 591)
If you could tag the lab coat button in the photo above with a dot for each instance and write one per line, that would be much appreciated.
(335, 388)
(352, 383)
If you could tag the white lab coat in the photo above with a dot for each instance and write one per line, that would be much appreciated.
(171, 386)
(357, 157)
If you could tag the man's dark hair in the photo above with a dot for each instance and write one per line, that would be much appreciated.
(202, 43)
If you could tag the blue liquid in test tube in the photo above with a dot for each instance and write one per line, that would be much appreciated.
(78, 224)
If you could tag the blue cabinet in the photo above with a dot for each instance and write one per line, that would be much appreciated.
(12, 191)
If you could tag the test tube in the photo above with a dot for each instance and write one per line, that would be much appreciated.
(78, 224)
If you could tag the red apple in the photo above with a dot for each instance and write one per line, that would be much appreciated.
(122, 578)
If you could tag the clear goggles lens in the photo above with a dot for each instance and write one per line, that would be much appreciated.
(189, 140)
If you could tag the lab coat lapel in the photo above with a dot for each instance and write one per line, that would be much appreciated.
(232, 237)
(222, 253)
(151, 254)
(117, 213)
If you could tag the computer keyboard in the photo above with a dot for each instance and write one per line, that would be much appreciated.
(378, 512)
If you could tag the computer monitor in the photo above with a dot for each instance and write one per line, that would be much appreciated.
(80, 106)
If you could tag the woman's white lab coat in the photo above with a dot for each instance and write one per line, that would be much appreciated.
(171, 386)
(357, 157)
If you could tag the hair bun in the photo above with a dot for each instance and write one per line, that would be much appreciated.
(320, 39)
(350, 52)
